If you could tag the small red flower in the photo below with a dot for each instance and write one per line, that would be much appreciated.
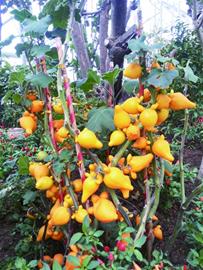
(111, 257)
(121, 246)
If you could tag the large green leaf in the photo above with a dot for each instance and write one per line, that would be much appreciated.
(37, 26)
(130, 85)
(21, 47)
(88, 83)
(137, 45)
(111, 76)
(17, 77)
(59, 12)
(161, 79)
(40, 51)
(75, 238)
(101, 119)
(21, 15)
(40, 79)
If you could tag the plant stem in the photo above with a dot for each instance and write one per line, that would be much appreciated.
(182, 178)
(198, 190)
(119, 207)
(158, 180)
(72, 194)
(120, 153)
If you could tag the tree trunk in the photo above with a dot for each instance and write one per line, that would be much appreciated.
(118, 19)
(103, 34)
(80, 48)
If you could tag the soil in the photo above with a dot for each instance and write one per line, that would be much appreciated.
(180, 250)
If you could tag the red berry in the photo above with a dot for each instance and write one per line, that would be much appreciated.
(121, 246)
(168, 182)
(106, 248)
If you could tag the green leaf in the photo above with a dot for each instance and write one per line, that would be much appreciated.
(74, 260)
(45, 266)
(75, 238)
(33, 263)
(6, 41)
(161, 79)
(138, 255)
(56, 266)
(29, 197)
(7, 96)
(23, 165)
(88, 83)
(93, 265)
(37, 26)
(189, 74)
(17, 98)
(137, 45)
(21, 47)
(98, 233)
(130, 85)
(59, 12)
(77, 15)
(40, 79)
(40, 51)
(17, 77)
(129, 230)
(86, 261)
(111, 76)
(21, 15)
(86, 225)
(101, 119)
(58, 167)
(140, 242)
(20, 263)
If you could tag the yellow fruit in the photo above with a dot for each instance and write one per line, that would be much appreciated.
(121, 118)
(117, 137)
(161, 148)
(115, 179)
(44, 182)
(138, 163)
(60, 216)
(180, 102)
(148, 118)
(63, 132)
(41, 233)
(90, 186)
(132, 132)
(77, 185)
(28, 123)
(58, 107)
(68, 200)
(133, 71)
(140, 143)
(32, 166)
(163, 101)
(131, 105)
(104, 210)
(37, 106)
(157, 231)
(162, 116)
(80, 214)
(88, 139)
(40, 170)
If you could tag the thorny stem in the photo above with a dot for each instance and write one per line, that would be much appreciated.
(182, 180)
(198, 190)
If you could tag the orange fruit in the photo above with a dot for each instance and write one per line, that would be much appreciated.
(77, 185)
(37, 106)
(133, 71)
(157, 231)
(61, 216)
(58, 123)
(59, 258)
(40, 170)
(31, 96)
